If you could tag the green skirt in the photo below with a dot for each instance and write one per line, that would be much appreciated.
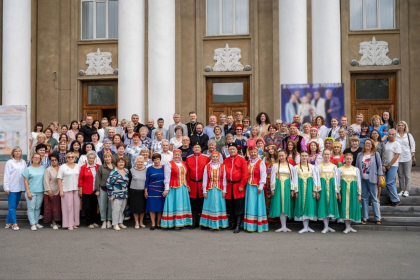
(281, 202)
(305, 204)
(327, 203)
(350, 205)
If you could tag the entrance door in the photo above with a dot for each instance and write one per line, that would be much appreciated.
(227, 96)
(372, 94)
(100, 99)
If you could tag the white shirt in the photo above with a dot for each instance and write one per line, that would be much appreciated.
(405, 155)
(390, 150)
(101, 133)
(13, 179)
(323, 132)
(70, 177)
(83, 160)
(263, 173)
(176, 144)
(343, 143)
(357, 128)
(167, 173)
(166, 157)
(213, 166)
(98, 147)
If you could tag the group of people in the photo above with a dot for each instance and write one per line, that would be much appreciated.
(227, 174)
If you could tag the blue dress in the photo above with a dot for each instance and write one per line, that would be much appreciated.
(155, 187)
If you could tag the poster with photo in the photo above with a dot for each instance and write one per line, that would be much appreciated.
(312, 100)
(13, 130)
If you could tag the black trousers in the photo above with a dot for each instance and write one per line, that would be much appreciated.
(197, 202)
(90, 203)
(235, 207)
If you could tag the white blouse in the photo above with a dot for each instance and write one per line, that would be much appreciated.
(13, 179)
(213, 166)
(69, 177)
(263, 173)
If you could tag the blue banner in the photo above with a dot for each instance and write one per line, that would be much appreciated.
(312, 100)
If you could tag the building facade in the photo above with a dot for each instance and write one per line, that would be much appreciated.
(69, 58)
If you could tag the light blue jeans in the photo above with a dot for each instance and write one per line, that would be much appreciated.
(34, 206)
(370, 189)
(390, 184)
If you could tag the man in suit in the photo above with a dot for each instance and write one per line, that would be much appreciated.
(332, 106)
(291, 108)
(319, 103)
(177, 121)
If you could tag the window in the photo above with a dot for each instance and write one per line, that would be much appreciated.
(372, 14)
(368, 89)
(99, 19)
(227, 17)
(228, 92)
(101, 95)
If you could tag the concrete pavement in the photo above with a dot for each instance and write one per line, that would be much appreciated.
(195, 254)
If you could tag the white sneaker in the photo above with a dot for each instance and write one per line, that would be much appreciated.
(117, 227)
(15, 228)
(400, 193)
(103, 225)
(39, 226)
(8, 225)
(95, 225)
(347, 230)
(33, 227)
(303, 230)
(353, 230)
(325, 230)
(406, 193)
(55, 227)
(331, 230)
(122, 226)
(108, 224)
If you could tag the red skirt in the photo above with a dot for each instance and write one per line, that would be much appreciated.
(52, 208)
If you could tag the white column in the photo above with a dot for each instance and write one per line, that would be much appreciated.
(16, 77)
(131, 59)
(326, 41)
(161, 84)
(293, 42)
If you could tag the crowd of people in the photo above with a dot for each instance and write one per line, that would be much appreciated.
(228, 174)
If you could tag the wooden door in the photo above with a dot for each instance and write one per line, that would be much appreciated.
(100, 98)
(227, 96)
(373, 94)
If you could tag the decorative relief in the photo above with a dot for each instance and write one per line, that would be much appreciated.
(227, 60)
(99, 63)
(374, 53)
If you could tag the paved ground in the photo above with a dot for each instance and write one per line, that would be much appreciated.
(195, 254)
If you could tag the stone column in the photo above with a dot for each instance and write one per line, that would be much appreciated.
(161, 66)
(293, 42)
(326, 41)
(16, 77)
(131, 59)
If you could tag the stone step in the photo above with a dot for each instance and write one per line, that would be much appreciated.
(415, 218)
(400, 210)
(3, 196)
(411, 200)
(20, 214)
(22, 205)
(413, 191)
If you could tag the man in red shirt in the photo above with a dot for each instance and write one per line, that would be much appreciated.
(236, 177)
(195, 170)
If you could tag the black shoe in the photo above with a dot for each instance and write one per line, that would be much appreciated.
(204, 228)
(177, 228)
(231, 222)
(395, 204)
(152, 228)
(238, 225)
(159, 227)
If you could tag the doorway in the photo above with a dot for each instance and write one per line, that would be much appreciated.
(373, 94)
(100, 99)
(227, 96)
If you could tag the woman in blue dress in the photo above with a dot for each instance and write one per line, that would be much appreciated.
(380, 127)
(177, 207)
(153, 191)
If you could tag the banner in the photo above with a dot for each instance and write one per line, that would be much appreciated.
(13, 130)
(312, 100)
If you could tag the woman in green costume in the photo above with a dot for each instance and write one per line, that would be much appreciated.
(282, 191)
(328, 193)
(349, 182)
(307, 183)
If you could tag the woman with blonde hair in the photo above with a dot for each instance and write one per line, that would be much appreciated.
(337, 157)
(382, 129)
(41, 138)
(13, 185)
(306, 132)
(406, 159)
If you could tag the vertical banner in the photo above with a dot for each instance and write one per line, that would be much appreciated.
(312, 100)
(13, 130)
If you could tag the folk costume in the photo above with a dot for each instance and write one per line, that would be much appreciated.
(306, 182)
(269, 162)
(195, 169)
(349, 182)
(214, 185)
(177, 207)
(236, 177)
(282, 203)
(255, 218)
(327, 203)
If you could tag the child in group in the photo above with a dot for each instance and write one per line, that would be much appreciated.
(337, 156)
(349, 182)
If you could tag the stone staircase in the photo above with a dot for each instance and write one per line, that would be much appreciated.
(405, 217)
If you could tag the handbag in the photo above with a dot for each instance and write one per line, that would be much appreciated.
(381, 178)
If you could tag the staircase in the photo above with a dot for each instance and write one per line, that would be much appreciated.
(405, 217)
